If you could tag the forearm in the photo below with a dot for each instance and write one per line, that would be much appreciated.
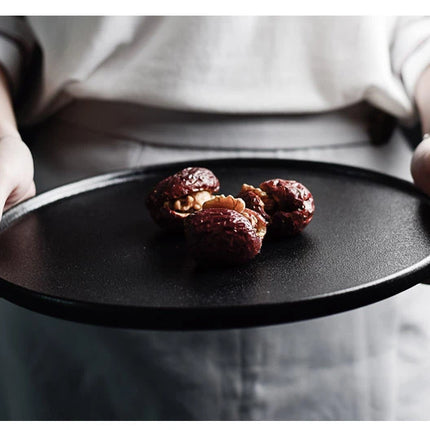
(8, 125)
(422, 99)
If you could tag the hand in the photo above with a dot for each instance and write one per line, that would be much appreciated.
(420, 165)
(16, 172)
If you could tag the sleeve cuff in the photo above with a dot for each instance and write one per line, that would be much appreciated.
(17, 44)
(414, 66)
(410, 50)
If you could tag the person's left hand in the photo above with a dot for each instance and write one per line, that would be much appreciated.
(420, 165)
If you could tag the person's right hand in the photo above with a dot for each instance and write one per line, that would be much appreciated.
(16, 172)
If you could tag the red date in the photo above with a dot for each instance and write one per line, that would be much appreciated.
(176, 197)
(225, 232)
(287, 205)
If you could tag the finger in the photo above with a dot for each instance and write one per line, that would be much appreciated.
(31, 191)
(420, 166)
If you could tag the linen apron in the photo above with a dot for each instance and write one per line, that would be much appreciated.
(372, 363)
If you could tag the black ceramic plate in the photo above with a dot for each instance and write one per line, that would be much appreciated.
(89, 251)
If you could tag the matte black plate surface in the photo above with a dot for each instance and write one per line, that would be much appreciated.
(90, 252)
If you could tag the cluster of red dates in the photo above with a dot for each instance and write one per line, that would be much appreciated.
(225, 229)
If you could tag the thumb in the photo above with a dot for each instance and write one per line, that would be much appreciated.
(420, 165)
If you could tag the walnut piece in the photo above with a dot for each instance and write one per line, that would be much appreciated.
(228, 202)
(191, 202)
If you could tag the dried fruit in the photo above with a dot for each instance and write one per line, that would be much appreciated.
(225, 229)
(287, 205)
(179, 195)
(225, 232)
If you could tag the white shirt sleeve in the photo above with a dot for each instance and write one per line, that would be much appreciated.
(410, 50)
(16, 47)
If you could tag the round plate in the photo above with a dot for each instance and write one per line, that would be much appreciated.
(90, 252)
